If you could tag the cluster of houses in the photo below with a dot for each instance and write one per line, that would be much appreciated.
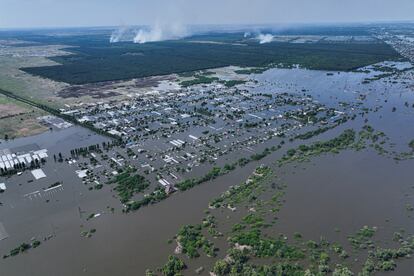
(170, 133)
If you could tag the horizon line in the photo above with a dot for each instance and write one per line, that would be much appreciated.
(292, 24)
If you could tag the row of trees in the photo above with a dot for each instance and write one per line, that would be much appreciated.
(85, 150)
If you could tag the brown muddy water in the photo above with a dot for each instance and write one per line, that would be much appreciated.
(344, 191)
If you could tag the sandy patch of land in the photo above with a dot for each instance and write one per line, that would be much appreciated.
(9, 110)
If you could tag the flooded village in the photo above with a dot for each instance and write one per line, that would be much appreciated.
(158, 144)
(235, 170)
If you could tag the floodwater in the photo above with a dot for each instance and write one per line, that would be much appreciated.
(336, 195)
(57, 140)
(345, 191)
(123, 244)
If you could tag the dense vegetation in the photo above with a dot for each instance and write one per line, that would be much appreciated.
(303, 152)
(191, 239)
(190, 183)
(312, 133)
(199, 80)
(172, 267)
(262, 248)
(217, 171)
(154, 197)
(96, 60)
(129, 183)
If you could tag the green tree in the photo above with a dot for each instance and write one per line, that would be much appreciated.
(221, 267)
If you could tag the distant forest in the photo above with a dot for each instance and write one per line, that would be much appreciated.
(94, 59)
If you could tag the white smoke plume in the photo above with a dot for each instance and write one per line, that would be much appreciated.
(161, 32)
(157, 32)
(173, 31)
(118, 34)
(265, 38)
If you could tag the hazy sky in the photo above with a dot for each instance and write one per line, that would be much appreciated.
(58, 13)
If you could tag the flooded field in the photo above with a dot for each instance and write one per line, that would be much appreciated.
(85, 229)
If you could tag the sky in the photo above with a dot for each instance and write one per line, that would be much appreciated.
(78, 13)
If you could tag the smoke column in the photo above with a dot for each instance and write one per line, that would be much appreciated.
(161, 32)
(118, 34)
(157, 32)
(265, 38)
